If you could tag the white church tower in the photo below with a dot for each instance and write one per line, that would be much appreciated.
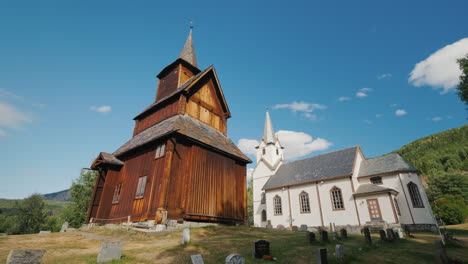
(269, 159)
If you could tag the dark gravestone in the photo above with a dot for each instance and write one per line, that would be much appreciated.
(323, 236)
(310, 237)
(367, 235)
(260, 249)
(269, 226)
(383, 236)
(25, 256)
(344, 233)
(390, 234)
(396, 234)
(440, 256)
(322, 256)
(304, 228)
(295, 228)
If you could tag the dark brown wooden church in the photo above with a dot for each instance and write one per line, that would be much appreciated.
(179, 164)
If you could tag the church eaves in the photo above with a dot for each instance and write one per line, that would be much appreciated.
(188, 52)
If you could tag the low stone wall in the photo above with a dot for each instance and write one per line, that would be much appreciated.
(420, 228)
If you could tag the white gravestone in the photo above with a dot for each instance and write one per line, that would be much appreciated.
(64, 227)
(197, 259)
(339, 251)
(235, 259)
(185, 236)
(25, 256)
(110, 251)
(44, 232)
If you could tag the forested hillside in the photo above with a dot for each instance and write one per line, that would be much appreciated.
(439, 153)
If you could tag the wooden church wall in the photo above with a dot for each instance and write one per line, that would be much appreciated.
(168, 83)
(170, 108)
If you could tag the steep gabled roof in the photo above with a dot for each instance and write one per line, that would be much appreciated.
(330, 165)
(106, 158)
(384, 164)
(190, 127)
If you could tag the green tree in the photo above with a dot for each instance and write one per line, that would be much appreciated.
(31, 215)
(451, 208)
(250, 201)
(463, 86)
(80, 191)
(52, 224)
(447, 184)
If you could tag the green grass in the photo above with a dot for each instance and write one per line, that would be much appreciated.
(9, 207)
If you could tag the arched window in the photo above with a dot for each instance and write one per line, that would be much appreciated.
(304, 202)
(415, 196)
(263, 198)
(277, 205)
(264, 218)
(337, 198)
(376, 180)
(397, 206)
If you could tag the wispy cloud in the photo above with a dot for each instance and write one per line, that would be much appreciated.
(7, 95)
(2, 133)
(343, 98)
(436, 118)
(393, 105)
(365, 89)
(361, 94)
(378, 115)
(310, 116)
(401, 112)
(440, 70)
(300, 106)
(101, 109)
(247, 145)
(10, 117)
(384, 76)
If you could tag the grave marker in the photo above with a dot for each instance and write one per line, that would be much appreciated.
(197, 259)
(235, 259)
(64, 227)
(339, 251)
(323, 236)
(260, 248)
(344, 233)
(280, 227)
(383, 236)
(322, 256)
(25, 256)
(44, 232)
(304, 228)
(390, 234)
(185, 236)
(335, 236)
(367, 236)
(110, 251)
(294, 228)
(396, 234)
(310, 237)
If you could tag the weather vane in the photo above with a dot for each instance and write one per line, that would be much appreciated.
(191, 24)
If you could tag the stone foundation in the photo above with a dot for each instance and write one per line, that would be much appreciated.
(420, 228)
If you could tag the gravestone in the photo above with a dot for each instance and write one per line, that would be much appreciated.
(310, 237)
(269, 226)
(339, 251)
(3, 234)
(383, 236)
(25, 256)
(260, 248)
(235, 259)
(400, 233)
(172, 223)
(322, 256)
(390, 234)
(160, 227)
(110, 251)
(367, 235)
(323, 236)
(335, 236)
(294, 228)
(407, 231)
(440, 256)
(197, 259)
(280, 227)
(396, 234)
(433, 229)
(185, 236)
(304, 228)
(44, 232)
(344, 233)
(64, 227)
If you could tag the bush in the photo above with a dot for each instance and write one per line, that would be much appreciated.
(52, 224)
(31, 215)
(452, 209)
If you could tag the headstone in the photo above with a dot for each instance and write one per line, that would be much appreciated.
(344, 233)
(64, 227)
(335, 236)
(295, 228)
(269, 226)
(339, 251)
(171, 222)
(160, 227)
(322, 256)
(235, 259)
(280, 227)
(25, 256)
(433, 229)
(260, 248)
(3, 234)
(400, 233)
(268, 222)
(310, 237)
(390, 234)
(304, 228)
(323, 236)
(197, 259)
(44, 232)
(367, 235)
(383, 236)
(396, 234)
(185, 236)
(440, 256)
(110, 251)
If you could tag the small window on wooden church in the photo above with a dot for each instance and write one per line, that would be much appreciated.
(141, 187)
(337, 198)
(415, 196)
(264, 218)
(376, 180)
(397, 207)
(263, 199)
(305, 204)
(116, 197)
(277, 205)
(160, 150)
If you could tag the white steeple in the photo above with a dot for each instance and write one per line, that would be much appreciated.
(269, 149)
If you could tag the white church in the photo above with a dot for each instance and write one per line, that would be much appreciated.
(340, 188)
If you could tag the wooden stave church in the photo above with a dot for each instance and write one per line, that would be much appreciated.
(179, 164)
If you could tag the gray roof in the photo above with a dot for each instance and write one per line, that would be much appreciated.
(384, 164)
(188, 52)
(188, 126)
(268, 132)
(111, 159)
(329, 165)
(372, 188)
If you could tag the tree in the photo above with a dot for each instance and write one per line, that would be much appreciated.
(463, 86)
(31, 215)
(250, 201)
(80, 191)
(451, 208)
(447, 184)
(52, 224)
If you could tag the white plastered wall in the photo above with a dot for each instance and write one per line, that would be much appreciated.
(385, 205)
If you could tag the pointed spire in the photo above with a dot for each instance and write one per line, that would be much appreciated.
(268, 132)
(188, 52)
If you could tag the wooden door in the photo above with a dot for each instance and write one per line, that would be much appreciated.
(374, 209)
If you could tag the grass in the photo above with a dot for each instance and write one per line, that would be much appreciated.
(8, 206)
(215, 243)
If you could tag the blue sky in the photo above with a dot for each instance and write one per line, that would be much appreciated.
(62, 61)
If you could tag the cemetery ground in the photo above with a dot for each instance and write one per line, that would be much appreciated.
(214, 243)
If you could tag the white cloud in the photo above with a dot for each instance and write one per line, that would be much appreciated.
(436, 118)
(343, 98)
(300, 107)
(378, 115)
(361, 94)
(298, 144)
(440, 69)
(310, 116)
(2, 133)
(384, 76)
(247, 146)
(7, 94)
(11, 117)
(365, 89)
(401, 112)
(101, 109)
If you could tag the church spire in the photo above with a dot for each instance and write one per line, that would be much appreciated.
(188, 52)
(268, 132)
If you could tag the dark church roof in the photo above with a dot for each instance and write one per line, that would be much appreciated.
(329, 165)
(188, 126)
(111, 159)
(384, 164)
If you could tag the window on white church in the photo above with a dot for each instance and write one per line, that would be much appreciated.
(264, 218)
(277, 205)
(337, 198)
(397, 207)
(376, 180)
(305, 204)
(415, 195)
(263, 198)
